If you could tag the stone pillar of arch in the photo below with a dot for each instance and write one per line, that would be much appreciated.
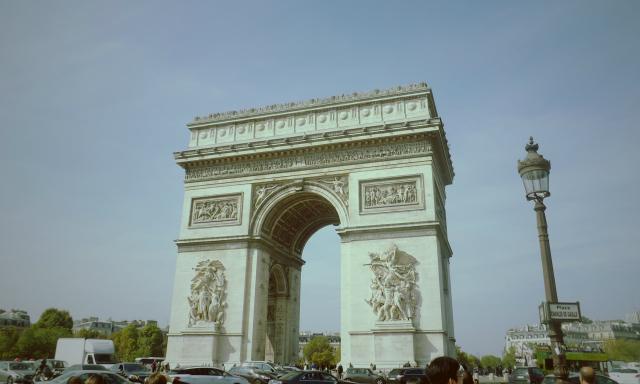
(259, 183)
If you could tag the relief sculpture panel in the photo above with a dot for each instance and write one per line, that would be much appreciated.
(385, 195)
(393, 286)
(217, 210)
(207, 300)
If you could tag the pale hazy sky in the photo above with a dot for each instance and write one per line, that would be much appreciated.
(94, 97)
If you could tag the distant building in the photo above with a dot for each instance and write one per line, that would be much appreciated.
(577, 336)
(108, 327)
(14, 318)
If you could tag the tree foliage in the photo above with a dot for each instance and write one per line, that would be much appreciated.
(39, 343)
(467, 360)
(490, 361)
(8, 338)
(509, 358)
(131, 342)
(624, 350)
(55, 318)
(90, 334)
(319, 351)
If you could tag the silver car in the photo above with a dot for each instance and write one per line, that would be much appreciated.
(109, 377)
(17, 372)
(204, 375)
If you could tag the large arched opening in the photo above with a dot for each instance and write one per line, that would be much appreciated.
(286, 221)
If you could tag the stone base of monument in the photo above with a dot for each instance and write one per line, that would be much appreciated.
(393, 343)
(199, 347)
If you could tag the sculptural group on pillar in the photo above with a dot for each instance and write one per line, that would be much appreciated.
(393, 286)
(208, 293)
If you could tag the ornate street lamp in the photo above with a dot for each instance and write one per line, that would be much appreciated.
(534, 171)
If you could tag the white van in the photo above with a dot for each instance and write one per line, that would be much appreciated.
(86, 351)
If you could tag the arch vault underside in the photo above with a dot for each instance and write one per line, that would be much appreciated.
(259, 183)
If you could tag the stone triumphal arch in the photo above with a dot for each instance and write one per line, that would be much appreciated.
(260, 182)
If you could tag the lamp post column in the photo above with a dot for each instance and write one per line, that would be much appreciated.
(555, 327)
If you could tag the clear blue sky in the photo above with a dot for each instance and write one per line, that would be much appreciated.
(94, 97)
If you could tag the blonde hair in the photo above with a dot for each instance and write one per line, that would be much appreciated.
(95, 379)
(157, 378)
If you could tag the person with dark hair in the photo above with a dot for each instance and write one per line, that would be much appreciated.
(467, 378)
(443, 370)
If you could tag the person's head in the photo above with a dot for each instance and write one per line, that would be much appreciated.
(443, 370)
(74, 380)
(467, 378)
(587, 375)
(158, 378)
(95, 379)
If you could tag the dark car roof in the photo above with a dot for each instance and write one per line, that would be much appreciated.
(86, 367)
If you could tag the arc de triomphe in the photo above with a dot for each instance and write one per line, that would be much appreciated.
(260, 182)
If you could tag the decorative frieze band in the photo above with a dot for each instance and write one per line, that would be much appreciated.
(388, 195)
(388, 151)
(216, 210)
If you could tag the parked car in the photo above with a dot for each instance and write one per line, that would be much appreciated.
(85, 367)
(108, 376)
(134, 372)
(526, 375)
(625, 375)
(17, 372)
(261, 365)
(407, 376)
(280, 371)
(308, 377)
(363, 375)
(575, 379)
(204, 375)
(252, 374)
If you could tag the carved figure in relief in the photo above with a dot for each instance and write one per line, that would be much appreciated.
(393, 285)
(380, 195)
(207, 211)
(262, 192)
(208, 293)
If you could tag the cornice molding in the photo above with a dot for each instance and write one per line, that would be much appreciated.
(311, 103)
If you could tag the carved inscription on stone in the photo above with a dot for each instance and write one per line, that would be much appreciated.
(393, 286)
(207, 300)
(398, 194)
(388, 151)
(217, 210)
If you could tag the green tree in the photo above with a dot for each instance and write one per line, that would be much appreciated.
(319, 351)
(90, 334)
(490, 361)
(55, 318)
(462, 356)
(624, 350)
(337, 356)
(509, 358)
(8, 339)
(586, 320)
(151, 341)
(39, 343)
(126, 343)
